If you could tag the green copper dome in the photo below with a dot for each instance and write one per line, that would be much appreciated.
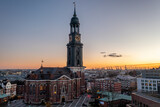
(75, 20)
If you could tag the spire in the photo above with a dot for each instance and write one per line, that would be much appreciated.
(74, 9)
(42, 64)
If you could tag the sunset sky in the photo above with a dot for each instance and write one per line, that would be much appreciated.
(32, 30)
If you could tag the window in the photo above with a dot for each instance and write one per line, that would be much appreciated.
(75, 87)
(30, 89)
(63, 89)
(140, 104)
(133, 101)
(55, 89)
(144, 105)
(41, 88)
(34, 89)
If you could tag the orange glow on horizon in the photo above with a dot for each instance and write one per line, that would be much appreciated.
(87, 65)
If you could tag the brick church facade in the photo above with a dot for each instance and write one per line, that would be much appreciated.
(55, 84)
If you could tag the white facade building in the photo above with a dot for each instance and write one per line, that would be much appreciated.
(147, 84)
(8, 88)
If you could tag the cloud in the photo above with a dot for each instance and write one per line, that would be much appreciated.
(103, 52)
(114, 55)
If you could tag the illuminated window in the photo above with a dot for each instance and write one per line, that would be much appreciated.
(41, 87)
(55, 89)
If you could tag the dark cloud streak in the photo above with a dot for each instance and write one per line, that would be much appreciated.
(114, 55)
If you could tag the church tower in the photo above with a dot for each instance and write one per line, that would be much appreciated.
(74, 47)
(74, 50)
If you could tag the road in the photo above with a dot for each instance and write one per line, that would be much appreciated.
(76, 103)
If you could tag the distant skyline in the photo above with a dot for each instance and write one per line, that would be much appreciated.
(35, 30)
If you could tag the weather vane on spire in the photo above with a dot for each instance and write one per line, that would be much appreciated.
(74, 3)
(42, 63)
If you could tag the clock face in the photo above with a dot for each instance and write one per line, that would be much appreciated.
(77, 38)
(70, 38)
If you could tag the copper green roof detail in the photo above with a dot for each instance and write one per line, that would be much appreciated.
(113, 96)
(3, 95)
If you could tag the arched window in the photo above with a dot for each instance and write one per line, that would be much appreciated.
(69, 88)
(75, 86)
(41, 87)
(63, 89)
(55, 89)
(77, 29)
(72, 29)
(30, 89)
(34, 89)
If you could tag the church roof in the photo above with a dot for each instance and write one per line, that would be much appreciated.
(51, 73)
